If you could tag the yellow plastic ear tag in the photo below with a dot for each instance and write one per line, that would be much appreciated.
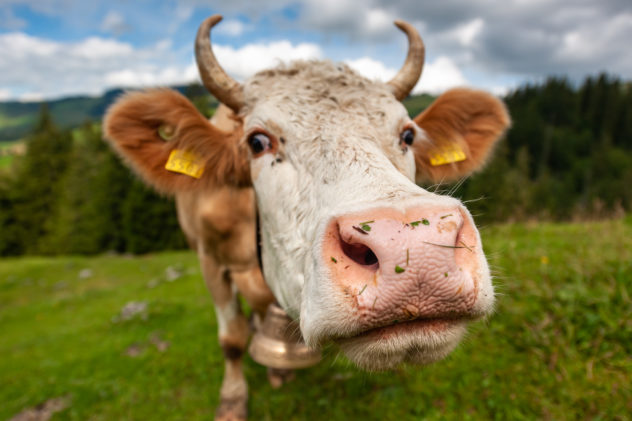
(447, 154)
(184, 162)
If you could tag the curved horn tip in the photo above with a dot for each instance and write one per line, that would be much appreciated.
(403, 25)
(400, 23)
(214, 78)
(213, 20)
(406, 79)
(208, 24)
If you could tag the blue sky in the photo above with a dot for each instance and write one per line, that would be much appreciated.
(56, 48)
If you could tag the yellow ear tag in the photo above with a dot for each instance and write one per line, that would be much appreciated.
(184, 162)
(447, 154)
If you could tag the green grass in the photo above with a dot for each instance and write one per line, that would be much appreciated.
(8, 151)
(5, 161)
(559, 346)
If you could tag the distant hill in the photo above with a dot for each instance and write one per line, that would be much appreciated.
(18, 118)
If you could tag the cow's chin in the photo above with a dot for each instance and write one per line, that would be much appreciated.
(416, 342)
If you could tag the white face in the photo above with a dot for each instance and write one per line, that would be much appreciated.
(350, 244)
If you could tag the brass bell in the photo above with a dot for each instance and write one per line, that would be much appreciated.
(278, 343)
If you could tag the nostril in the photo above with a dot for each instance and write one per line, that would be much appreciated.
(369, 257)
(359, 253)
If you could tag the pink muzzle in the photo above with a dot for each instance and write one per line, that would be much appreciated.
(393, 266)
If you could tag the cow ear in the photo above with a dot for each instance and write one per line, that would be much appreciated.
(462, 127)
(164, 139)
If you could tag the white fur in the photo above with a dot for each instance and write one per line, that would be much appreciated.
(227, 313)
(342, 155)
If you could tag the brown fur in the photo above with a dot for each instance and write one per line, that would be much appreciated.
(220, 225)
(235, 340)
(233, 396)
(216, 212)
(132, 123)
(238, 332)
(254, 289)
(231, 409)
(473, 119)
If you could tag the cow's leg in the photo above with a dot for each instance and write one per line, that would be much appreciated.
(233, 337)
(254, 289)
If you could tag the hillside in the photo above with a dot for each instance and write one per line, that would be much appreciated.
(17, 119)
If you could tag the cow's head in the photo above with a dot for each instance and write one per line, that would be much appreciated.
(351, 244)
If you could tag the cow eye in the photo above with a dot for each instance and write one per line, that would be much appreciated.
(259, 143)
(407, 136)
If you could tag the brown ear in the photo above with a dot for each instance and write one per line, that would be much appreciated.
(462, 126)
(138, 124)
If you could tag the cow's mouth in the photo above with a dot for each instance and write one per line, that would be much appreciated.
(419, 341)
(422, 325)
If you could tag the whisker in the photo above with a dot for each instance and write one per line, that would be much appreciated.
(458, 185)
(474, 200)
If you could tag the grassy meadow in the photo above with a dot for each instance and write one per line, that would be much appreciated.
(134, 338)
(8, 150)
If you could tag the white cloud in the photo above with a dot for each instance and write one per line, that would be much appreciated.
(231, 27)
(378, 21)
(330, 9)
(17, 45)
(372, 69)
(519, 38)
(94, 48)
(151, 76)
(163, 45)
(32, 67)
(114, 23)
(360, 20)
(249, 59)
(31, 97)
(467, 33)
(499, 90)
(437, 77)
(594, 43)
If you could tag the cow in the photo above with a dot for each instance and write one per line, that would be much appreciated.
(323, 166)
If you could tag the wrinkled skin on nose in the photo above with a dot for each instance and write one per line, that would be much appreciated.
(397, 266)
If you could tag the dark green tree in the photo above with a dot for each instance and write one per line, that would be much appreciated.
(36, 187)
(149, 222)
(84, 218)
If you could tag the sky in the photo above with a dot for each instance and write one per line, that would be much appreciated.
(56, 48)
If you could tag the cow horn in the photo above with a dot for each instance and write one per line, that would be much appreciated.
(227, 90)
(406, 79)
